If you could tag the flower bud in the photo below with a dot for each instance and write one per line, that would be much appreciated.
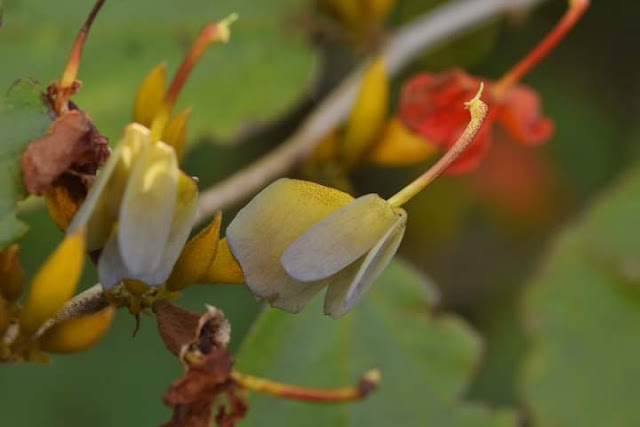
(54, 283)
(76, 334)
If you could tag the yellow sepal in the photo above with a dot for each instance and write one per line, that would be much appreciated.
(197, 257)
(150, 96)
(175, 132)
(78, 334)
(368, 114)
(225, 268)
(54, 283)
(398, 146)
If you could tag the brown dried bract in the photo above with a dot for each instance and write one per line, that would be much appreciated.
(200, 341)
(73, 145)
(192, 396)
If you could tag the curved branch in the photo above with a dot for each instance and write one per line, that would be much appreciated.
(415, 38)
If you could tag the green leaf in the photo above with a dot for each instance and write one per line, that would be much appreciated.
(583, 313)
(257, 76)
(24, 116)
(426, 361)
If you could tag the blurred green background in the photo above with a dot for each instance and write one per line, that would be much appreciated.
(535, 257)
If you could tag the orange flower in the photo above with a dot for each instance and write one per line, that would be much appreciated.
(430, 104)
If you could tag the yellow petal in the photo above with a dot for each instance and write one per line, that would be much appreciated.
(264, 228)
(78, 334)
(398, 146)
(150, 96)
(225, 268)
(339, 239)
(349, 285)
(11, 273)
(148, 208)
(197, 257)
(175, 132)
(101, 208)
(54, 283)
(367, 115)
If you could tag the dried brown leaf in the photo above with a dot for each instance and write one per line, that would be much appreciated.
(73, 144)
(201, 343)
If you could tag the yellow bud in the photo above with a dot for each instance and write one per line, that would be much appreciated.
(54, 283)
(368, 114)
(326, 149)
(196, 257)
(150, 96)
(398, 146)
(358, 15)
(175, 132)
(11, 273)
(61, 206)
(78, 334)
(225, 268)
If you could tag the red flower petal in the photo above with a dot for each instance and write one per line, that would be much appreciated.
(433, 107)
(521, 117)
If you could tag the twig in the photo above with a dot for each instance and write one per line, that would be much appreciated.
(88, 302)
(422, 34)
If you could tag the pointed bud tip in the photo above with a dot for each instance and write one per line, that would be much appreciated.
(475, 105)
(224, 30)
(369, 382)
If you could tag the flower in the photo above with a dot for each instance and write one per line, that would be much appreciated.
(141, 208)
(430, 106)
(430, 103)
(139, 211)
(296, 238)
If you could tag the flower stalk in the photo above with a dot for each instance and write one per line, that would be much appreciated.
(68, 84)
(367, 384)
(567, 22)
(215, 32)
(478, 111)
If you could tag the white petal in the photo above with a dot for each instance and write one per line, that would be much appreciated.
(147, 208)
(111, 269)
(99, 211)
(267, 225)
(181, 224)
(339, 239)
(347, 288)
